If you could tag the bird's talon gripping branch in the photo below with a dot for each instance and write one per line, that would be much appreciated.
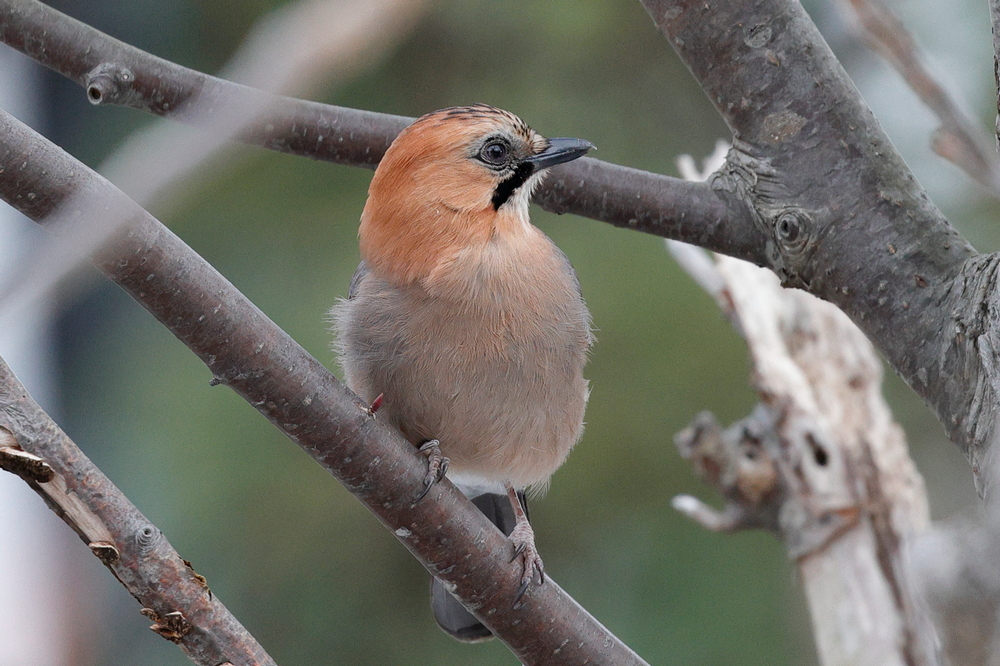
(521, 590)
(523, 539)
(437, 465)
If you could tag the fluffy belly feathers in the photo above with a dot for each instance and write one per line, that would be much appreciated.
(504, 395)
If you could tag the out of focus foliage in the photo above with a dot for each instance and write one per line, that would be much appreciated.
(302, 564)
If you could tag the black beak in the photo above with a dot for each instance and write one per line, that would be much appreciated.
(559, 151)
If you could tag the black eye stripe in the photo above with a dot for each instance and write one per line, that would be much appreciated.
(506, 188)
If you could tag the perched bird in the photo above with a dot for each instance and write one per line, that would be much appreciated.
(465, 322)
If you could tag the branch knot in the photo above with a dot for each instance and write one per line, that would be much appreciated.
(109, 83)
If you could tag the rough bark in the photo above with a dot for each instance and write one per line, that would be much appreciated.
(843, 216)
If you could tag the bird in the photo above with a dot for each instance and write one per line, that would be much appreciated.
(464, 324)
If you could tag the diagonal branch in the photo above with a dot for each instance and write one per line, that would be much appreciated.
(957, 140)
(177, 599)
(115, 73)
(249, 353)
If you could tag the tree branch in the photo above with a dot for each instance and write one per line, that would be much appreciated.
(115, 73)
(821, 463)
(957, 140)
(249, 353)
(178, 600)
(843, 215)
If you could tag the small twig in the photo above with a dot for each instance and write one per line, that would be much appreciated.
(25, 465)
(123, 539)
(957, 140)
(731, 519)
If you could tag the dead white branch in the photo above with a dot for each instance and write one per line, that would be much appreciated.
(820, 462)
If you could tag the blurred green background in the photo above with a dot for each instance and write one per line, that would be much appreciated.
(305, 567)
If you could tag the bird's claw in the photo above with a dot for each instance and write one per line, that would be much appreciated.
(437, 465)
(376, 404)
(523, 538)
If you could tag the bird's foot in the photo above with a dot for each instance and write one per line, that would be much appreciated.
(376, 404)
(437, 465)
(523, 538)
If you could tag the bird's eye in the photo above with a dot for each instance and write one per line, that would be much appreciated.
(495, 152)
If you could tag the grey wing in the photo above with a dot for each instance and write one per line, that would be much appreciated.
(359, 274)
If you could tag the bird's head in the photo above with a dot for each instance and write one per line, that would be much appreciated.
(451, 182)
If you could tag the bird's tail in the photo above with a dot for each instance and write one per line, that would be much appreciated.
(449, 612)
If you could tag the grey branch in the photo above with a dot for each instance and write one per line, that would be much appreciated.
(957, 140)
(843, 216)
(248, 352)
(177, 600)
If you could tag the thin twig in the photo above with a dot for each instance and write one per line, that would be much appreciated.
(249, 353)
(177, 599)
(958, 140)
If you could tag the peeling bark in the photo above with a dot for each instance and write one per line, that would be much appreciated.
(821, 464)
